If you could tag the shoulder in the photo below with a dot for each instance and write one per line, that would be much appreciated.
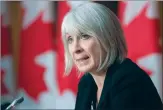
(86, 91)
(132, 84)
(130, 71)
(86, 81)
(128, 75)
(85, 78)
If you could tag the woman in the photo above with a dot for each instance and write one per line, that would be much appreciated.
(95, 44)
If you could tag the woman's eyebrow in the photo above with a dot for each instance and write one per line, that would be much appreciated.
(82, 33)
(67, 36)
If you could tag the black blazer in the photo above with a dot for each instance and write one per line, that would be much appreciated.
(126, 87)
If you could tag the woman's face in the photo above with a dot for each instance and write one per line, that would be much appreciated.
(85, 51)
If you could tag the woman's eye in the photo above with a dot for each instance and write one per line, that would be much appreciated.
(85, 36)
(70, 40)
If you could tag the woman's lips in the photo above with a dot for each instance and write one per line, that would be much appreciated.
(82, 59)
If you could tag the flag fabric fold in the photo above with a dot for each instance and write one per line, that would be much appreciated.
(7, 73)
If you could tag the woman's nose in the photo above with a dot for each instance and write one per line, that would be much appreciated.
(77, 48)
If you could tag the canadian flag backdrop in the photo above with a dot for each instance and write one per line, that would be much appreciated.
(140, 22)
(41, 79)
(65, 82)
(36, 76)
(7, 74)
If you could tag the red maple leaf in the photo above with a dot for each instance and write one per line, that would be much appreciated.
(5, 40)
(4, 90)
(142, 35)
(64, 82)
(35, 40)
(5, 50)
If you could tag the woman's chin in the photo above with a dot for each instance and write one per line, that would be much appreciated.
(84, 69)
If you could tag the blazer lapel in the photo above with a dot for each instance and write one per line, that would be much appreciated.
(107, 86)
(86, 94)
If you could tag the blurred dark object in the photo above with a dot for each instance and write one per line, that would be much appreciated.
(4, 105)
(112, 5)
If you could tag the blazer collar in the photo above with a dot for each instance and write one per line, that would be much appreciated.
(107, 83)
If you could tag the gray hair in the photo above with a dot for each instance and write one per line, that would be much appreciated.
(98, 21)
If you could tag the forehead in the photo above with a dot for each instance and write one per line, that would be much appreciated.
(74, 34)
(74, 31)
(71, 30)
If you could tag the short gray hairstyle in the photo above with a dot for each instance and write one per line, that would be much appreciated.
(98, 21)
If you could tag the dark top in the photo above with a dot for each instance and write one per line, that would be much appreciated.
(5, 105)
(126, 87)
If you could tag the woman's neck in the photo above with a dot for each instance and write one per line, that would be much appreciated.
(99, 79)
